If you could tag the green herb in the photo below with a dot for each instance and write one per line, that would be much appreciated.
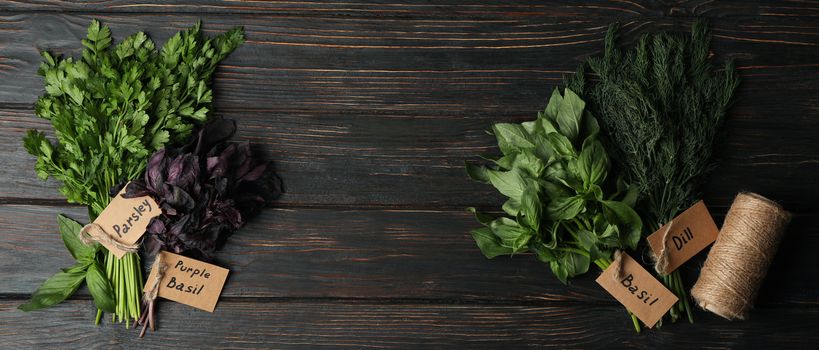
(110, 110)
(564, 205)
(662, 105)
(64, 283)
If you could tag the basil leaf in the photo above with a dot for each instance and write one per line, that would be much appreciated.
(592, 164)
(54, 290)
(69, 231)
(510, 183)
(559, 270)
(484, 219)
(576, 264)
(489, 243)
(553, 190)
(554, 106)
(556, 171)
(511, 207)
(595, 253)
(532, 208)
(610, 237)
(547, 124)
(477, 173)
(532, 127)
(100, 288)
(590, 126)
(570, 264)
(569, 114)
(565, 208)
(512, 137)
(595, 191)
(78, 266)
(587, 239)
(561, 144)
(627, 221)
(506, 162)
(542, 252)
(511, 234)
(527, 161)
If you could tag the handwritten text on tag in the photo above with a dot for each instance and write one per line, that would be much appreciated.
(688, 234)
(126, 219)
(637, 290)
(191, 282)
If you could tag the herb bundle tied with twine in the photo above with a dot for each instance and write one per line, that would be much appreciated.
(662, 104)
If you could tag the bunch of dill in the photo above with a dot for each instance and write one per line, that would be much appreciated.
(662, 104)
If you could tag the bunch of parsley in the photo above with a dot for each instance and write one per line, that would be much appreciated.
(564, 204)
(111, 109)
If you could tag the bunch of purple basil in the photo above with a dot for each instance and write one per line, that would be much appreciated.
(207, 189)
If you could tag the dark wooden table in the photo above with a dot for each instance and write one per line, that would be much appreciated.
(369, 111)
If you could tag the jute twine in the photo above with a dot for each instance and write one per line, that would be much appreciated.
(662, 259)
(93, 233)
(617, 273)
(152, 290)
(738, 261)
(151, 293)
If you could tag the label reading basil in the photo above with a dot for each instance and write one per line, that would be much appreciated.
(190, 282)
(638, 291)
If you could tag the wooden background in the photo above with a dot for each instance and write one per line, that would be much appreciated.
(369, 110)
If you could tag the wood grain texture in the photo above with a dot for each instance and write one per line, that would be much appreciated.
(360, 325)
(333, 159)
(369, 109)
(375, 254)
(389, 122)
(386, 8)
(419, 65)
(354, 8)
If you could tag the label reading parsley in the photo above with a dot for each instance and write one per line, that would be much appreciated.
(126, 219)
(190, 282)
(637, 290)
(688, 234)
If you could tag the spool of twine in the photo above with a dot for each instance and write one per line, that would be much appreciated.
(738, 261)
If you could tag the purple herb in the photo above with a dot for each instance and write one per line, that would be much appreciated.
(207, 189)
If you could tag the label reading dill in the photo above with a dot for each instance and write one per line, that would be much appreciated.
(190, 282)
(688, 234)
(637, 290)
(126, 219)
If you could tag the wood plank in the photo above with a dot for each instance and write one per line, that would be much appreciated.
(391, 119)
(377, 64)
(413, 161)
(429, 66)
(386, 254)
(350, 8)
(311, 325)
(490, 8)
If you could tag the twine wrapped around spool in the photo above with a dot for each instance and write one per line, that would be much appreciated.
(738, 261)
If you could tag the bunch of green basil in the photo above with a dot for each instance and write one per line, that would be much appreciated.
(564, 205)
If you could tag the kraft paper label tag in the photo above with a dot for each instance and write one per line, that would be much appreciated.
(190, 282)
(126, 219)
(690, 233)
(638, 291)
